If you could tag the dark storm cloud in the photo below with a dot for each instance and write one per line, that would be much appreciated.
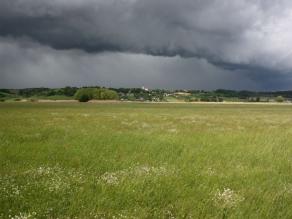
(240, 31)
(249, 38)
(27, 64)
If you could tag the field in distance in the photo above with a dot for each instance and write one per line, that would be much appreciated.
(130, 160)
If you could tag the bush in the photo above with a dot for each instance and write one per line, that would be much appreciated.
(84, 98)
(205, 99)
(108, 95)
(279, 99)
(86, 94)
(220, 99)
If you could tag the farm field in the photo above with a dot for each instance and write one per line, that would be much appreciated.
(135, 160)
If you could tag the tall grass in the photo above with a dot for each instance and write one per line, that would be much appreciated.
(145, 161)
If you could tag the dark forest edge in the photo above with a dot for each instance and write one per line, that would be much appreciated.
(85, 94)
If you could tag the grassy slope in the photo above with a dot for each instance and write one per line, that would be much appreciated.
(145, 160)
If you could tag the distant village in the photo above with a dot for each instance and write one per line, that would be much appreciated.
(148, 95)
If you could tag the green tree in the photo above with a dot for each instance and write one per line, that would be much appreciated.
(69, 91)
(106, 94)
(280, 99)
(85, 94)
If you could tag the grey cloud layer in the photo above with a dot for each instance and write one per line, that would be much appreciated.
(245, 32)
(35, 65)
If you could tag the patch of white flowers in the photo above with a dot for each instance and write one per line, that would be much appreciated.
(55, 179)
(210, 171)
(24, 216)
(227, 198)
(45, 171)
(51, 179)
(9, 188)
(114, 178)
(288, 188)
(110, 178)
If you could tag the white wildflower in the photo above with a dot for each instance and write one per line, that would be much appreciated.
(142, 170)
(44, 171)
(110, 178)
(113, 178)
(288, 188)
(24, 216)
(9, 187)
(210, 171)
(227, 199)
(15, 190)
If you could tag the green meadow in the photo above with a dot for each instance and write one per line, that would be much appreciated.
(137, 160)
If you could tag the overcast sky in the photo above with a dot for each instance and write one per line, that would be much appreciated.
(192, 44)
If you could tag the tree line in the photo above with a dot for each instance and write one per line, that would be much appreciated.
(140, 94)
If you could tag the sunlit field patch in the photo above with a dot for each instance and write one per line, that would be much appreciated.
(130, 160)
